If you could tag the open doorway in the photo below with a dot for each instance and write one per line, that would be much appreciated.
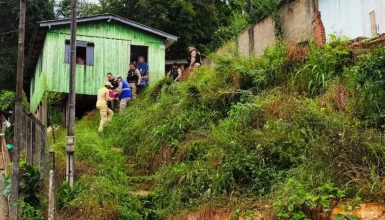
(137, 51)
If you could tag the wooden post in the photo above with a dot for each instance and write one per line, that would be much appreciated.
(42, 152)
(51, 193)
(29, 142)
(373, 24)
(33, 144)
(13, 215)
(70, 144)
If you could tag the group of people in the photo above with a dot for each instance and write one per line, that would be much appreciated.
(194, 61)
(120, 91)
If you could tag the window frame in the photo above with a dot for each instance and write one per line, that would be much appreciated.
(90, 52)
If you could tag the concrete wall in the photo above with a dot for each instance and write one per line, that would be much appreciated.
(297, 19)
(263, 36)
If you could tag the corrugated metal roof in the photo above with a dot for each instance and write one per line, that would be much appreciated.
(351, 17)
(109, 17)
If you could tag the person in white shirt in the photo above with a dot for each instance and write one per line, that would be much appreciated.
(4, 124)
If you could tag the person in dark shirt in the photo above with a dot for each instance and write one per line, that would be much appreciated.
(194, 59)
(142, 66)
(175, 73)
(133, 78)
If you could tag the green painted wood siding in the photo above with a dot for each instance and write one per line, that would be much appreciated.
(111, 54)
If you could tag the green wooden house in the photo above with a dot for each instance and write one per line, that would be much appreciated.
(105, 43)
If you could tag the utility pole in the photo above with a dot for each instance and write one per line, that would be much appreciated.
(13, 215)
(70, 146)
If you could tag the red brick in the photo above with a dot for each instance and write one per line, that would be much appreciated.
(319, 30)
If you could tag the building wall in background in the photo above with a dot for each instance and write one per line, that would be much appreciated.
(351, 17)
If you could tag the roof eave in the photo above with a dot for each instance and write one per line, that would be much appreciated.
(110, 17)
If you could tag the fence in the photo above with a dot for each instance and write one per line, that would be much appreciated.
(4, 154)
(33, 149)
(4, 168)
(33, 145)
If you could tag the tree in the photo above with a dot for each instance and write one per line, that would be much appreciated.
(85, 8)
(193, 21)
(37, 10)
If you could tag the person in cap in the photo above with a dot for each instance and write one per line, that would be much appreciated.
(106, 113)
(126, 95)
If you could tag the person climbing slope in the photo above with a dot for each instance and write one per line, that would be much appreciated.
(175, 73)
(126, 95)
(194, 60)
(106, 113)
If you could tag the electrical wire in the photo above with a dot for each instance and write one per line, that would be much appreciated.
(8, 32)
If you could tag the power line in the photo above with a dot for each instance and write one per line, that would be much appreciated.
(11, 42)
(9, 31)
(14, 31)
(6, 2)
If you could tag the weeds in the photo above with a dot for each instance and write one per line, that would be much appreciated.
(297, 124)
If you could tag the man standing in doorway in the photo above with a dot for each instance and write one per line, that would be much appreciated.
(175, 73)
(106, 113)
(116, 90)
(133, 78)
(142, 66)
(126, 95)
(194, 59)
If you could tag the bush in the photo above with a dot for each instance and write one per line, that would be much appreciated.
(323, 65)
(7, 100)
(249, 128)
(298, 204)
(369, 77)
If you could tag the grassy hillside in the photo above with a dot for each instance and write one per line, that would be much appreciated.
(301, 125)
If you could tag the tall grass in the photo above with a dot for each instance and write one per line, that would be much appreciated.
(249, 128)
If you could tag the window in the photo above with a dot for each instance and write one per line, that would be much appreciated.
(84, 53)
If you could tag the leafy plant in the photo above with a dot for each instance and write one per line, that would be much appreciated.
(30, 212)
(324, 63)
(67, 196)
(31, 185)
(299, 201)
(7, 100)
(7, 186)
(348, 208)
(369, 76)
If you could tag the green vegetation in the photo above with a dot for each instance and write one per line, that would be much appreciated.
(207, 23)
(300, 125)
(33, 202)
(7, 100)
